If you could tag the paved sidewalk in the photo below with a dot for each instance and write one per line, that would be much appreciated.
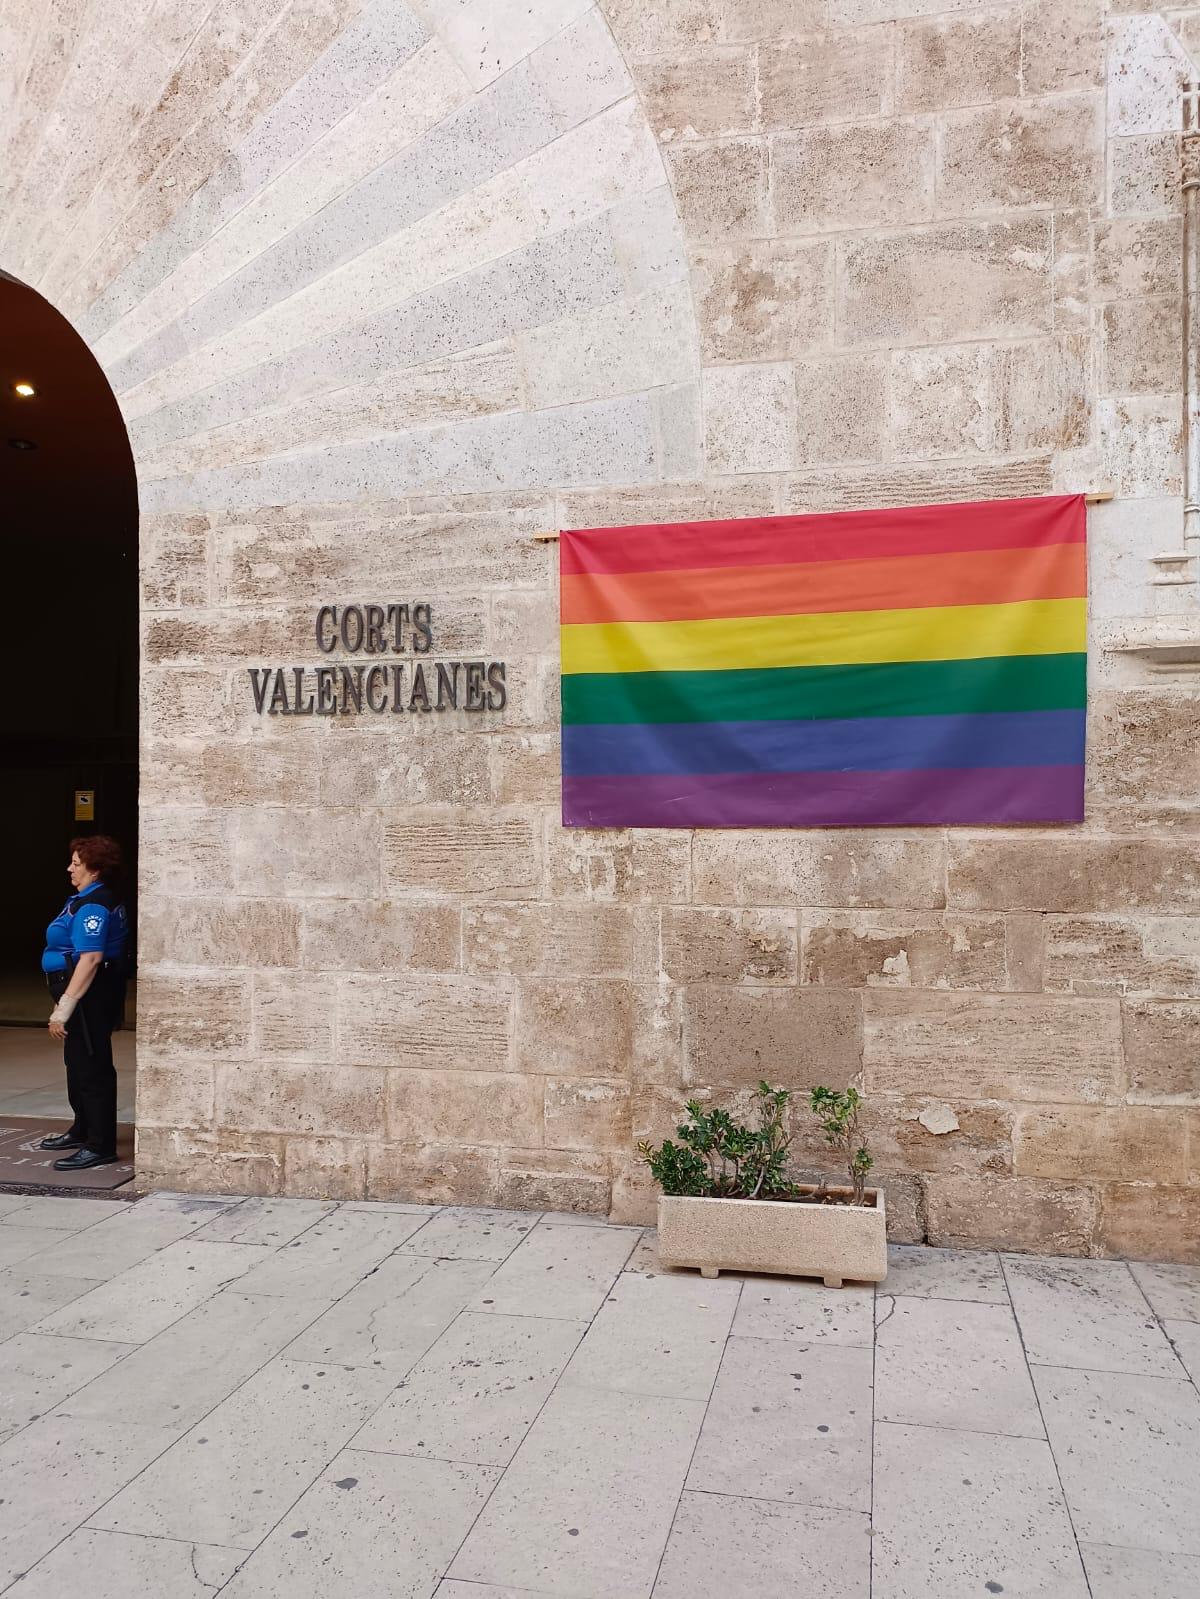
(270, 1398)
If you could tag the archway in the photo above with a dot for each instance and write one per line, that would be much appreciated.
(68, 721)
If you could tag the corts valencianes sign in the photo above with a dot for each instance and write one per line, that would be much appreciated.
(352, 688)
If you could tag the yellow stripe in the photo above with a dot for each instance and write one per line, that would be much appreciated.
(830, 638)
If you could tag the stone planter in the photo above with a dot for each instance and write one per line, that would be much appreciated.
(836, 1242)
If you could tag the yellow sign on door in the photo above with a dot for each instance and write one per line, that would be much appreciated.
(85, 805)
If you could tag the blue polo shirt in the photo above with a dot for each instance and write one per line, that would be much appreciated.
(92, 920)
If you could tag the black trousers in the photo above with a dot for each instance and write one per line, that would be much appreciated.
(91, 1075)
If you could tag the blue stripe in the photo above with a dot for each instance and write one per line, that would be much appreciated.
(863, 744)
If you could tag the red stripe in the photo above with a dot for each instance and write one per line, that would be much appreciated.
(838, 536)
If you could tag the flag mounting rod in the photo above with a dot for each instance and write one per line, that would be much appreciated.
(1097, 497)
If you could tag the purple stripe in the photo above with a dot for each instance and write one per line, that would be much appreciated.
(928, 798)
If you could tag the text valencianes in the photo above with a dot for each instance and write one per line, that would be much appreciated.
(352, 688)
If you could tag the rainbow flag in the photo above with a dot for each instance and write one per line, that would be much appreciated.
(867, 669)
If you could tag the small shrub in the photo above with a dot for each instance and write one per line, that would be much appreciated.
(838, 1115)
(719, 1158)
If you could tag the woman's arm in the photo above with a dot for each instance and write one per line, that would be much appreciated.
(82, 978)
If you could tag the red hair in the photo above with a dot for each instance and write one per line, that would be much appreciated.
(101, 855)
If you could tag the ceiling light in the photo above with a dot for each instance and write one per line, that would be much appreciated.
(25, 390)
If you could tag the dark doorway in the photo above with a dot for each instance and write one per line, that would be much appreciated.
(68, 714)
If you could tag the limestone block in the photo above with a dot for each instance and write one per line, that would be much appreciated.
(574, 1027)
(765, 300)
(842, 409)
(432, 1174)
(957, 281)
(1073, 270)
(636, 866)
(587, 1113)
(642, 30)
(713, 946)
(478, 1108)
(178, 1094)
(315, 853)
(523, 622)
(423, 766)
(1162, 1051)
(957, 61)
(462, 852)
(925, 483)
(216, 638)
(790, 1037)
(1041, 153)
(721, 189)
(841, 76)
(184, 703)
(831, 177)
(702, 93)
(1152, 955)
(339, 1102)
(1141, 346)
(209, 1163)
(980, 1139)
(1144, 175)
(424, 1022)
(184, 850)
(750, 418)
(941, 401)
(1149, 1221)
(378, 936)
(1041, 394)
(264, 772)
(324, 1168)
(1147, 70)
(1137, 256)
(755, 20)
(841, 869)
(1025, 951)
(1075, 873)
(657, 1048)
(526, 768)
(898, 949)
(637, 343)
(905, 1201)
(1141, 445)
(192, 1013)
(634, 1201)
(1062, 46)
(1013, 1213)
(217, 932)
(555, 1181)
(173, 561)
(1122, 536)
(294, 1015)
(563, 940)
(284, 556)
(991, 1046)
(1122, 1144)
(665, 502)
(1144, 759)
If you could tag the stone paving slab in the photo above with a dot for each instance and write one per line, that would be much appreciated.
(451, 1402)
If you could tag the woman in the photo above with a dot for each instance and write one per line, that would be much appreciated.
(84, 963)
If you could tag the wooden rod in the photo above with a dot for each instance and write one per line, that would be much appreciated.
(1096, 497)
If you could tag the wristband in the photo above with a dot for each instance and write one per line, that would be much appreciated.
(62, 1011)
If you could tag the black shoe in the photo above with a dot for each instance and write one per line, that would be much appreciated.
(82, 1159)
(62, 1141)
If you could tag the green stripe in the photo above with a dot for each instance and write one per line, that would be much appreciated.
(889, 688)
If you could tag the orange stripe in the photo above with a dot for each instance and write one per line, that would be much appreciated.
(891, 583)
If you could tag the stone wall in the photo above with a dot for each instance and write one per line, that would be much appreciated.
(387, 291)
